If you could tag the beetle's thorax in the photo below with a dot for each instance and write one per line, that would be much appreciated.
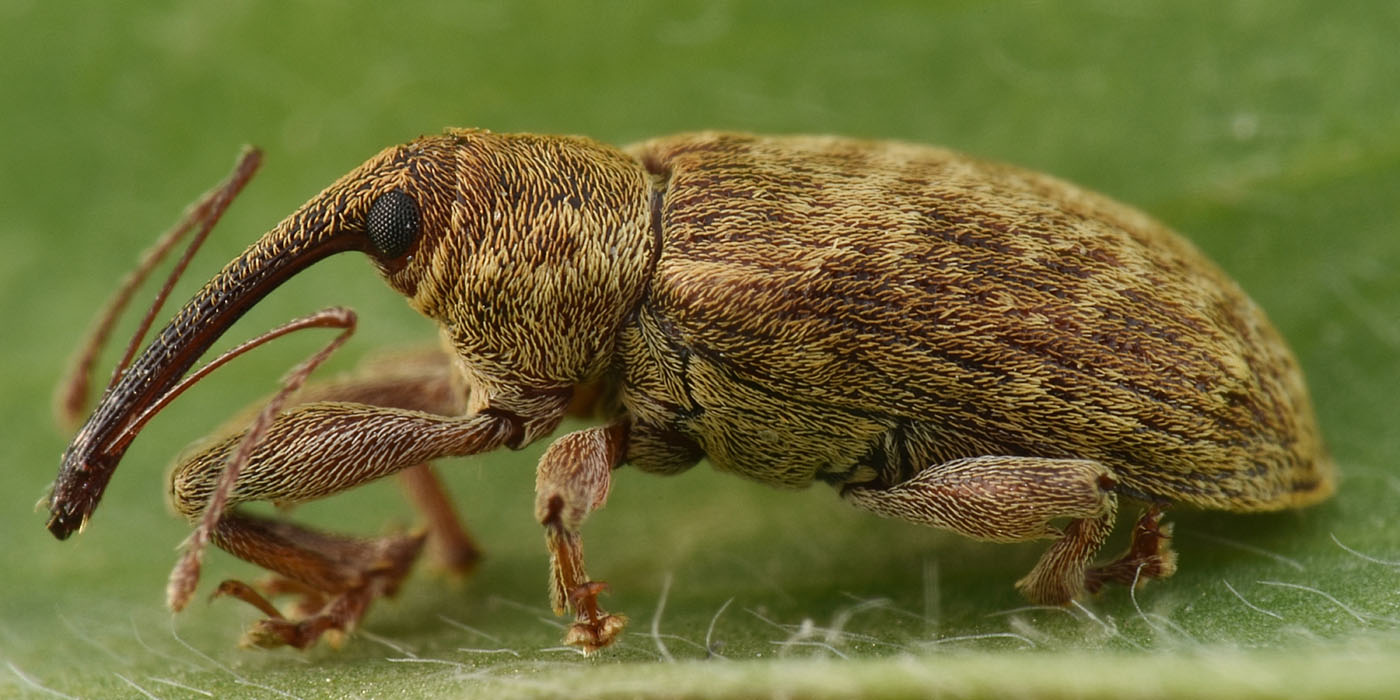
(548, 250)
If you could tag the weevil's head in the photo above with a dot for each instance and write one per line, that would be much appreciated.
(549, 247)
(427, 213)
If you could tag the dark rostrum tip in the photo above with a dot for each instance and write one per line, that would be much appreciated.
(68, 514)
(64, 524)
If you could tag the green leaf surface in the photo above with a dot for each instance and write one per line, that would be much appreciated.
(1267, 132)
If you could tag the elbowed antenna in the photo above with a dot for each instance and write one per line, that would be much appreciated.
(71, 398)
(314, 232)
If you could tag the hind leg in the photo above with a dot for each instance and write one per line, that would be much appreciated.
(1149, 556)
(1012, 499)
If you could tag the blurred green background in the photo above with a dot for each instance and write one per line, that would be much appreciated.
(1267, 131)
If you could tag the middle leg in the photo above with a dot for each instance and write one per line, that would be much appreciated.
(573, 480)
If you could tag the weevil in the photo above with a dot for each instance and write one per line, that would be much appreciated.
(945, 341)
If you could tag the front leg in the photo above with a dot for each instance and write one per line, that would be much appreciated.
(572, 481)
(422, 379)
(311, 451)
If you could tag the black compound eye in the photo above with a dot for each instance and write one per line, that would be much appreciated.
(392, 223)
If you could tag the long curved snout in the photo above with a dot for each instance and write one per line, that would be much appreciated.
(301, 240)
